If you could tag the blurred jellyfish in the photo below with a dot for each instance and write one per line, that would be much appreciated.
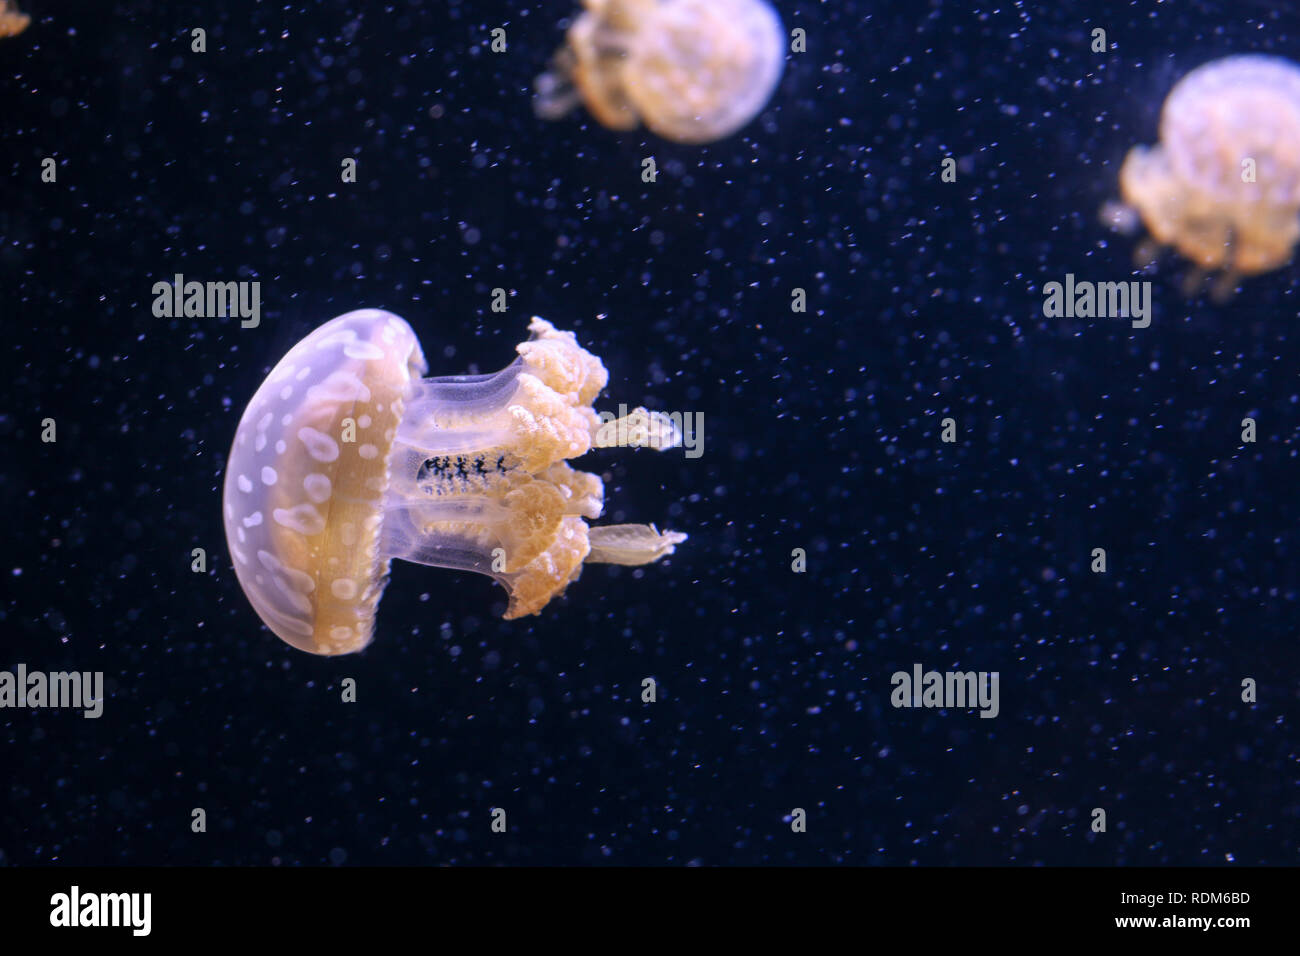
(12, 20)
(1223, 185)
(693, 71)
(347, 458)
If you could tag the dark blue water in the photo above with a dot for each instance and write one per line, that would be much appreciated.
(1119, 691)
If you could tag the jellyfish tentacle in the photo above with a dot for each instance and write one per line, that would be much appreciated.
(554, 92)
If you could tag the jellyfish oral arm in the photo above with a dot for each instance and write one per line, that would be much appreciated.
(478, 477)
(631, 544)
(639, 429)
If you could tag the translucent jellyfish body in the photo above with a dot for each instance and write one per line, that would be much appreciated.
(693, 71)
(347, 458)
(1223, 185)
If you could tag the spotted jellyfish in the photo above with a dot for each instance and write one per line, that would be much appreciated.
(12, 20)
(693, 71)
(1222, 187)
(347, 457)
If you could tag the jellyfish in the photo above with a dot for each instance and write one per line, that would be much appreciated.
(1223, 184)
(693, 71)
(12, 20)
(347, 457)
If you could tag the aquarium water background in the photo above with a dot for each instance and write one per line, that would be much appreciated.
(821, 432)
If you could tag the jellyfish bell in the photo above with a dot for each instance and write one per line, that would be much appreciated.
(693, 71)
(1222, 187)
(347, 457)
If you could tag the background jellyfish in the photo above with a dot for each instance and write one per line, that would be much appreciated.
(693, 71)
(346, 458)
(1192, 190)
(12, 20)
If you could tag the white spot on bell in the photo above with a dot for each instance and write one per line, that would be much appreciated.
(304, 519)
(341, 386)
(364, 351)
(318, 487)
(320, 446)
(296, 598)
